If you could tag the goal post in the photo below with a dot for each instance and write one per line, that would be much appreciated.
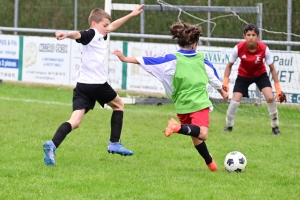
(109, 6)
(133, 79)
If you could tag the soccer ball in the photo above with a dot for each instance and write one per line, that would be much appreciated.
(235, 162)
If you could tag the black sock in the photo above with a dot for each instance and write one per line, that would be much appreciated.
(116, 123)
(203, 151)
(189, 129)
(61, 133)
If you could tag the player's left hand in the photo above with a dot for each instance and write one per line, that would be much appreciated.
(281, 97)
(138, 10)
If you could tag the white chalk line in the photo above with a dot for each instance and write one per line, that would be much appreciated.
(36, 101)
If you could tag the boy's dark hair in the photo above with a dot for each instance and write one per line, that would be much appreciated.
(251, 27)
(186, 34)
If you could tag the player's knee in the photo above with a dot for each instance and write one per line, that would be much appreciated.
(203, 135)
(269, 99)
(121, 105)
(117, 104)
(74, 124)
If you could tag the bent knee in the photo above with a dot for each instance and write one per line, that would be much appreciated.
(270, 99)
(116, 104)
(74, 124)
(203, 133)
(204, 136)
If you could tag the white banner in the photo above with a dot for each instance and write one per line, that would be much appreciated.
(115, 69)
(75, 60)
(286, 64)
(9, 57)
(137, 78)
(46, 60)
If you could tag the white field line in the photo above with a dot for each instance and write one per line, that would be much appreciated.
(35, 101)
(107, 107)
(69, 104)
(125, 100)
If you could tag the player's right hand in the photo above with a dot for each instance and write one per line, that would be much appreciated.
(60, 35)
(225, 85)
(119, 54)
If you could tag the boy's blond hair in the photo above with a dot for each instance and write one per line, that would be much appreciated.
(97, 15)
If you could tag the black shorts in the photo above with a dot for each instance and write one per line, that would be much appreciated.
(242, 84)
(86, 95)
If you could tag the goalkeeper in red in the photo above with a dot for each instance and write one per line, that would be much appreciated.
(184, 75)
(252, 69)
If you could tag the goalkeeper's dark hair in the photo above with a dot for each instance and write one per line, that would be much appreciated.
(186, 34)
(251, 27)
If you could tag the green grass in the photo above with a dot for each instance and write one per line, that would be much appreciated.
(161, 168)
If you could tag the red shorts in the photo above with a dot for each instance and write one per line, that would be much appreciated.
(199, 118)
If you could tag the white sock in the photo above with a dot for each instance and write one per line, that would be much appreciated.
(231, 112)
(273, 112)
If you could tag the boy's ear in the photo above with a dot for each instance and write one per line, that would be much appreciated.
(93, 24)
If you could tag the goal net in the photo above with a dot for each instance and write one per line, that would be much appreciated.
(222, 28)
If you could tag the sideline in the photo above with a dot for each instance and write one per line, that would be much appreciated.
(126, 101)
(36, 101)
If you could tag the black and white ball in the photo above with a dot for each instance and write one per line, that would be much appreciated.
(235, 162)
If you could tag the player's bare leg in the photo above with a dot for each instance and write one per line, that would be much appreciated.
(232, 110)
(272, 109)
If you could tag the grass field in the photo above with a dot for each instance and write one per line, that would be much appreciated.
(161, 168)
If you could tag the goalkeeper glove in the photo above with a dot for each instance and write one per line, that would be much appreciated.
(279, 93)
(225, 85)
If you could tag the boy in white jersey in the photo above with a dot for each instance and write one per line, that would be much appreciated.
(92, 83)
(253, 54)
(184, 76)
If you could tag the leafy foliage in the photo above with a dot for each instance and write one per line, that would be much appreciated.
(59, 14)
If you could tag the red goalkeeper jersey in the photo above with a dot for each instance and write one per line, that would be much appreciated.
(252, 63)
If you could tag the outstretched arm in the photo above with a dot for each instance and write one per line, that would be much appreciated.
(60, 35)
(223, 93)
(119, 22)
(122, 58)
(214, 80)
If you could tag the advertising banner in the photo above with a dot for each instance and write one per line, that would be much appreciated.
(9, 57)
(137, 78)
(75, 60)
(46, 60)
(286, 64)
